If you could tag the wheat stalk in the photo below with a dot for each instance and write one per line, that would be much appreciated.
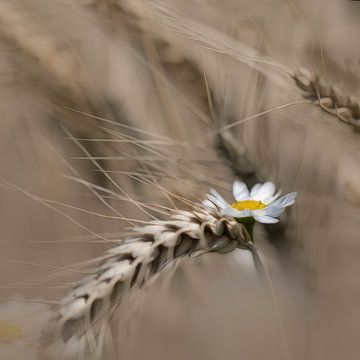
(132, 264)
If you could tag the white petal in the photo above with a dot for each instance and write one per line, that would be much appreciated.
(246, 213)
(217, 202)
(230, 211)
(266, 219)
(217, 195)
(265, 191)
(240, 191)
(221, 202)
(273, 211)
(270, 199)
(285, 200)
(255, 189)
(208, 205)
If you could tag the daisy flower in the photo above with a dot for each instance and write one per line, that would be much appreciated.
(260, 203)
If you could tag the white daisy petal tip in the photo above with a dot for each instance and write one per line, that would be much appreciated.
(286, 200)
(271, 199)
(240, 190)
(265, 191)
(266, 219)
(207, 204)
(221, 204)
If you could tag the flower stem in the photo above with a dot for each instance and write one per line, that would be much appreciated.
(249, 223)
(250, 229)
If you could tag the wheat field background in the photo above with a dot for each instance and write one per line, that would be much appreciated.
(114, 111)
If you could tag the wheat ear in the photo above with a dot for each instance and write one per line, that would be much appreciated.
(133, 263)
(59, 64)
(325, 94)
(329, 97)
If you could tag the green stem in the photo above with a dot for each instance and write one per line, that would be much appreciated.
(250, 229)
(249, 223)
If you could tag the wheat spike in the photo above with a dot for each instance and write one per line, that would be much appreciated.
(59, 64)
(133, 263)
(329, 97)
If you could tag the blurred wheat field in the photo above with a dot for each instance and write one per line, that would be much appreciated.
(115, 112)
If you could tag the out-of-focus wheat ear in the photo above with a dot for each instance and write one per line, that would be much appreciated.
(325, 94)
(59, 65)
(76, 321)
(328, 96)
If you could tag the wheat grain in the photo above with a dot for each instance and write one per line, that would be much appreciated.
(133, 263)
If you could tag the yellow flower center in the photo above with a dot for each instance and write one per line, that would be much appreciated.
(248, 205)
